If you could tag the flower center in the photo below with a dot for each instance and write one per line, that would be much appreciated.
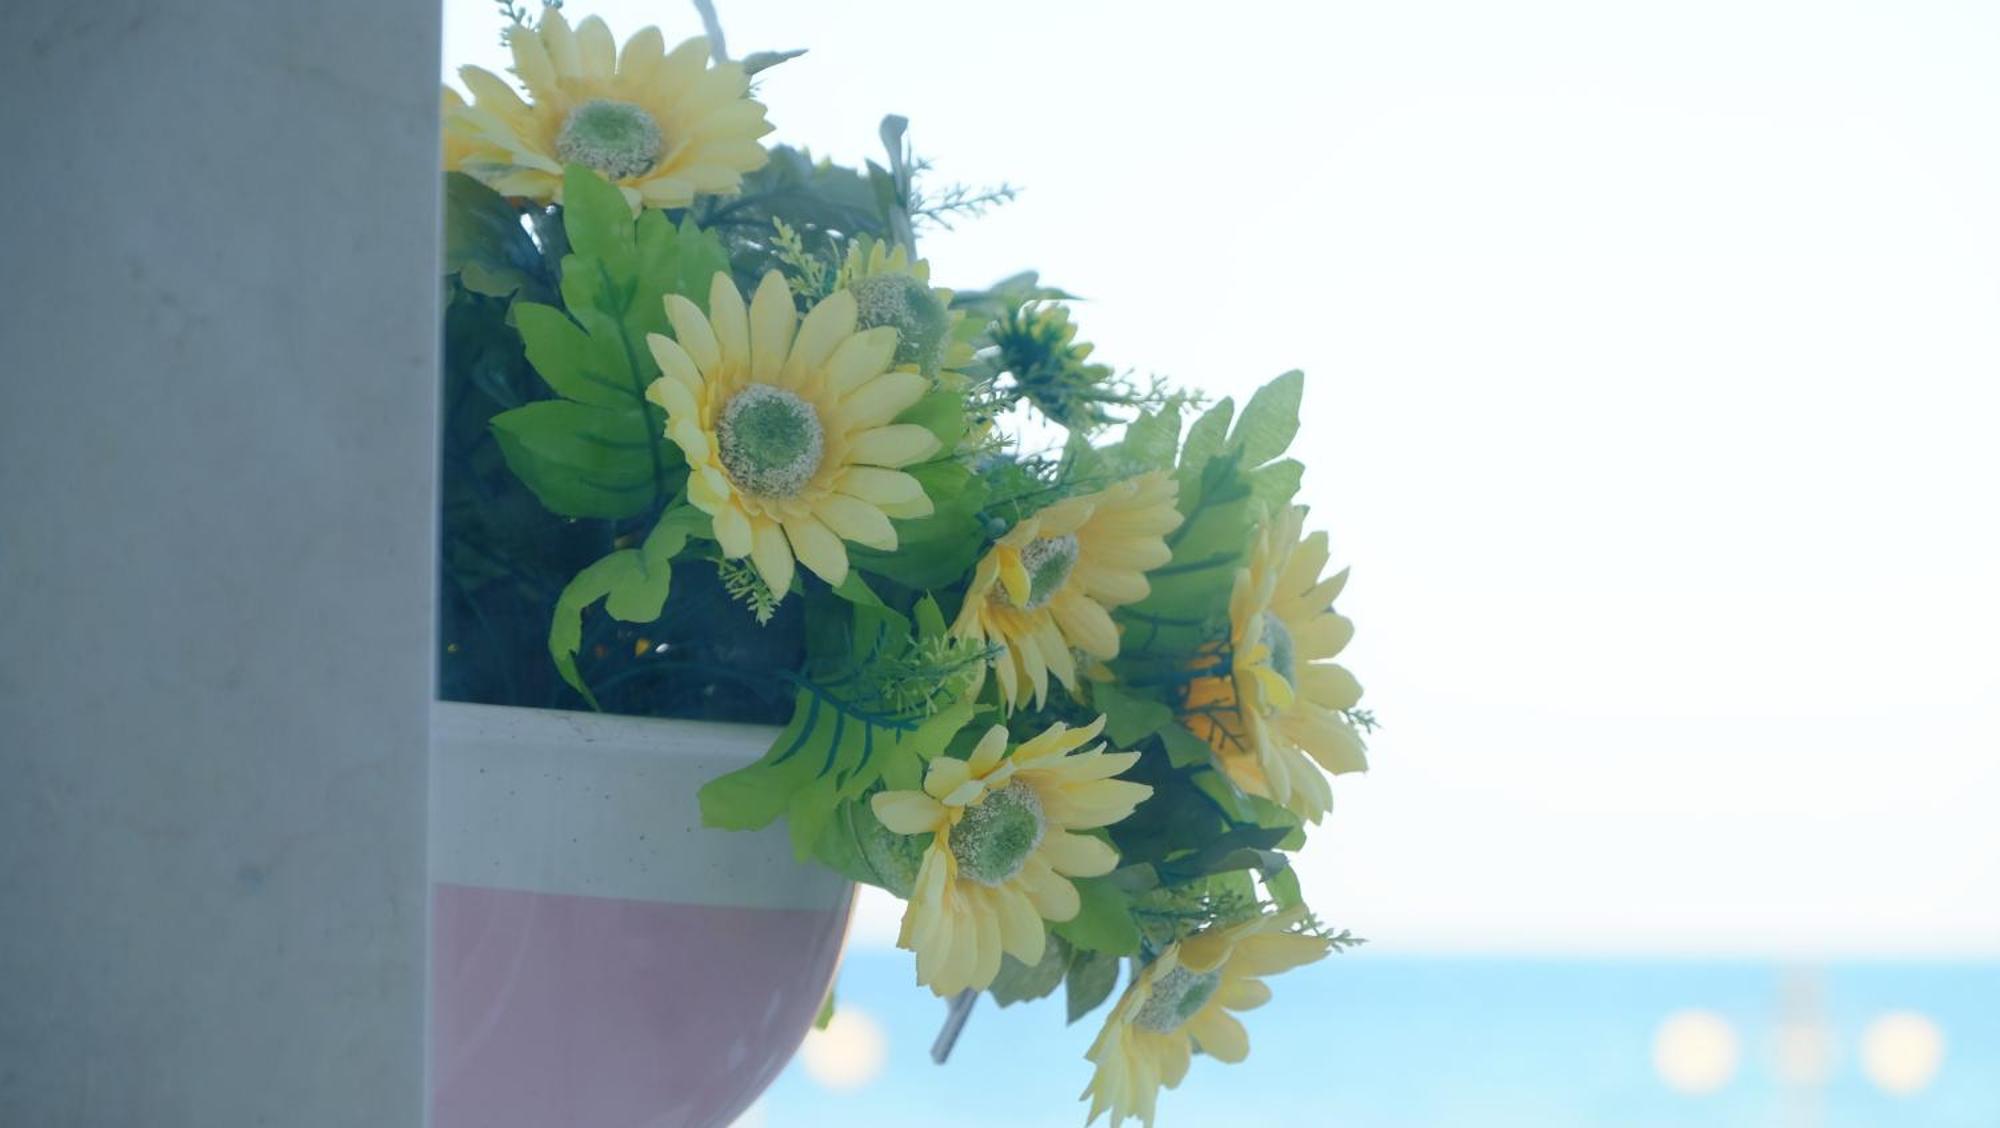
(1178, 996)
(1279, 638)
(771, 441)
(906, 305)
(993, 839)
(1048, 561)
(617, 139)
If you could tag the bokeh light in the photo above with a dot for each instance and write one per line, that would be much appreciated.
(1695, 1051)
(1901, 1052)
(849, 1053)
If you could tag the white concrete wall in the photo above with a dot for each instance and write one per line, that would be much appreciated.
(217, 379)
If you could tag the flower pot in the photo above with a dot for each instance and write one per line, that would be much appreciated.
(598, 958)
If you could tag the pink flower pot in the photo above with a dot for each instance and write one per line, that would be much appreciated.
(598, 958)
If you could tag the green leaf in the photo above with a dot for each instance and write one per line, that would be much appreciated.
(1284, 888)
(581, 460)
(764, 60)
(566, 628)
(1104, 922)
(1205, 439)
(929, 618)
(633, 582)
(1128, 718)
(597, 219)
(835, 748)
(1019, 982)
(601, 450)
(1092, 975)
(485, 244)
(942, 413)
(749, 798)
(825, 1011)
(1276, 484)
(1253, 810)
(1270, 419)
(591, 370)
(1185, 749)
(1151, 439)
(855, 590)
(935, 551)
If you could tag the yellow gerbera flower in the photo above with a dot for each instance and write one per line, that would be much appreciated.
(660, 125)
(787, 427)
(1281, 702)
(1182, 1001)
(1002, 852)
(1050, 583)
(892, 289)
(457, 146)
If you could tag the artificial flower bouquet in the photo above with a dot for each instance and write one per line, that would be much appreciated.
(1051, 649)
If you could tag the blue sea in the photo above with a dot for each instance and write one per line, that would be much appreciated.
(1377, 1040)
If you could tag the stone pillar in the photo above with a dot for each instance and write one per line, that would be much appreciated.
(218, 377)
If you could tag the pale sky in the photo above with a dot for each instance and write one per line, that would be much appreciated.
(1651, 366)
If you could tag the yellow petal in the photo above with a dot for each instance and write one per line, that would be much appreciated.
(1276, 690)
(1005, 672)
(1270, 954)
(878, 487)
(532, 62)
(1014, 577)
(856, 520)
(693, 333)
(1061, 663)
(639, 63)
(772, 556)
(1112, 587)
(1021, 933)
(666, 192)
(908, 812)
(986, 754)
(492, 93)
(1085, 623)
(880, 400)
(730, 321)
(561, 44)
(1084, 806)
(1329, 686)
(1328, 739)
(918, 506)
(946, 775)
(1029, 652)
(898, 444)
(772, 321)
(829, 323)
(596, 50)
(683, 65)
(672, 395)
(1243, 994)
(1052, 895)
(817, 548)
(1205, 951)
(707, 488)
(675, 363)
(1174, 1056)
(1219, 1036)
(732, 532)
(860, 360)
(1307, 561)
(1321, 637)
(1078, 855)
(986, 928)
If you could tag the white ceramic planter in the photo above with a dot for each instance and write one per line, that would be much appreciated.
(598, 958)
